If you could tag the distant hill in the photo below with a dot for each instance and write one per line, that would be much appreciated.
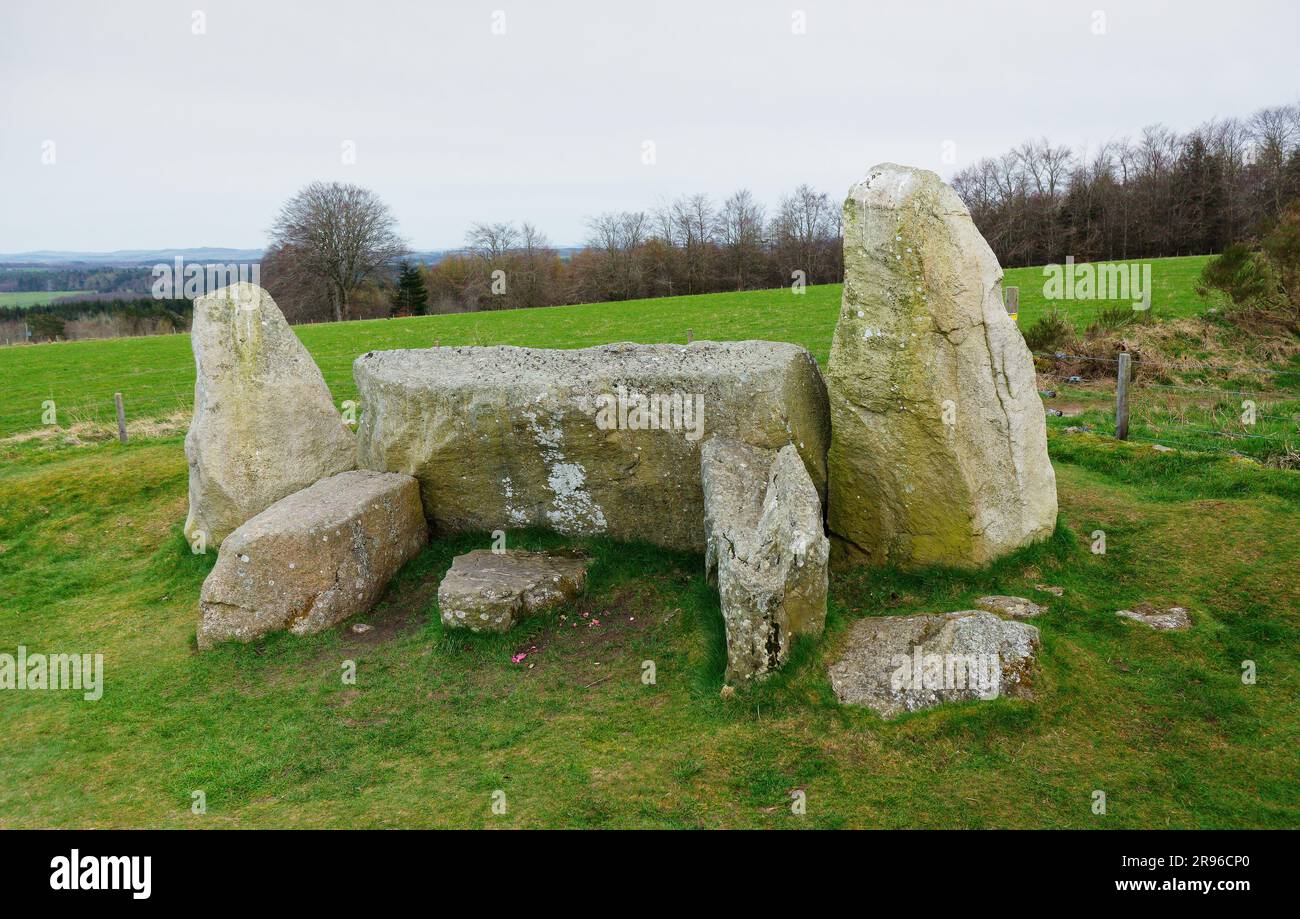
(127, 258)
(134, 258)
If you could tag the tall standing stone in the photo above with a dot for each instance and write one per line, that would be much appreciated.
(939, 446)
(264, 424)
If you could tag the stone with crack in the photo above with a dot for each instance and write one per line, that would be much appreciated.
(766, 550)
(312, 559)
(939, 443)
(897, 664)
(487, 591)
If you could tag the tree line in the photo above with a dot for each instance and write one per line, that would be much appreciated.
(41, 278)
(690, 245)
(1160, 194)
(116, 318)
(335, 252)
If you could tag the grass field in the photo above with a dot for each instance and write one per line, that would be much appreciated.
(25, 298)
(91, 559)
(156, 374)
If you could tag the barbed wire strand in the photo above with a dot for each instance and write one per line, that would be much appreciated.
(1061, 355)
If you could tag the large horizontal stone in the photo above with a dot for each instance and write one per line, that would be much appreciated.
(897, 664)
(766, 550)
(506, 437)
(486, 591)
(312, 559)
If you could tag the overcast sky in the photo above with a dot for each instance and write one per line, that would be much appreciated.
(171, 129)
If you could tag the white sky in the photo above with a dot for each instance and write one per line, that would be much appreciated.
(166, 138)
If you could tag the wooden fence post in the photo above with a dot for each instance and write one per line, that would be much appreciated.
(1121, 396)
(121, 417)
(690, 336)
(1011, 298)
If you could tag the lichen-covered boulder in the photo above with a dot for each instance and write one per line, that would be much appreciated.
(766, 549)
(939, 446)
(897, 664)
(487, 591)
(264, 424)
(594, 441)
(314, 558)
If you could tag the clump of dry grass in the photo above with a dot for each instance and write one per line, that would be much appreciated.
(84, 432)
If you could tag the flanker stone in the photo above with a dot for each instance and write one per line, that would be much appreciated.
(591, 441)
(486, 591)
(939, 445)
(264, 424)
(314, 558)
(766, 549)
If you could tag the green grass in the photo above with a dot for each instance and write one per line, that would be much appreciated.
(156, 374)
(1173, 292)
(26, 298)
(1199, 421)
(91, 559)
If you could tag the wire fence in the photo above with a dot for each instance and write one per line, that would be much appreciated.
(1231, 419)
(1261, 423)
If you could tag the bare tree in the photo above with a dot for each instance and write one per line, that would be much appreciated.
(740, 234)
(665, 226)
(616, 240)
(1272, 134)
(301, 293)
(492, 241)
(695, 223)
(804, 228)
(534, 256)
(340, 233)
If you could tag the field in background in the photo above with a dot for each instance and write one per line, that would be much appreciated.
(92, 560)
(156, 374)
(26, 298)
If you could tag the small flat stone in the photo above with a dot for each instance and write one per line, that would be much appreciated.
(1049, 589)
(1015, 607)
(897, 664)
(1173, 619)
(486, 591)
